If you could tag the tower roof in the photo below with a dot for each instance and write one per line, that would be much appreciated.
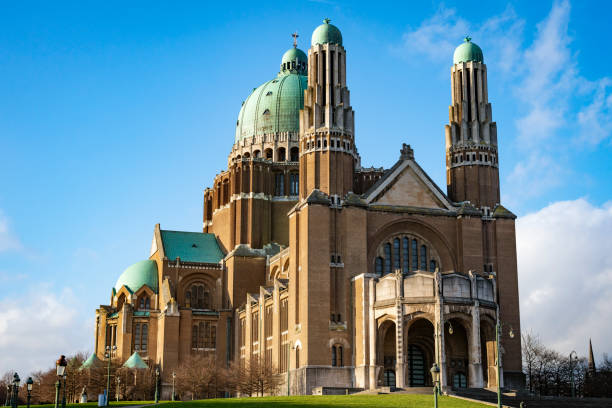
(326, 34)
(140, 274)
(92, 362)
(468, 51)
(135, 361)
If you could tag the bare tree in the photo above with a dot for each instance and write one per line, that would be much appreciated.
(196, 376)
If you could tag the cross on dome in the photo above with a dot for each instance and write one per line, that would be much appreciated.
(295, 37)
(326, 20)
(468, 38)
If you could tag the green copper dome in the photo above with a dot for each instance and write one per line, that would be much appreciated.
(468, 51)
(275, 106)
(140, 274)
(326, 34)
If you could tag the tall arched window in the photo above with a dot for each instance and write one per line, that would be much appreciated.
(294, 183)
(295, 154)
(405, 251)
(387, 258)
(198, 297)
(423, 258)
(141, 337)
(297, 357)
(334, 361)
(415, 255)
(145, 337)
(379, 266)
(432, 265)
(396, 253)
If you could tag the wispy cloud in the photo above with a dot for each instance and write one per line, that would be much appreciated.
(558, 109)
(563, 260)
(8, 241)
(39, 326)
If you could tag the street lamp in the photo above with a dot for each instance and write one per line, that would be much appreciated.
(16, 381)
(30, 384)
(109, 351)
(435, 376)
(156, 385)
(60, 368)
(572, 372)
(173, 378)
(64, 391)
(498, 329)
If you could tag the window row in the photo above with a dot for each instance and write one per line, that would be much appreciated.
(204, 335)
(333, 143)
(268, 154)
(336, 356)
(198, 297)
(406, 254)
(144, 303)
(141, 337)
(473, 157)
(279, 184)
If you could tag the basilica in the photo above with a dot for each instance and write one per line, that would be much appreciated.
(340, 277)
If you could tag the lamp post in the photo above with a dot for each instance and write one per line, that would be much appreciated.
(60, 368)
(498, 329)
(64, 391)
(30, 384)
(16, 381)
(572, 372)
(108, 355)
(435, 376)
(173, 379)
(156, 385)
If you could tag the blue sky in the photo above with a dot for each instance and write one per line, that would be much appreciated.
(114, 118)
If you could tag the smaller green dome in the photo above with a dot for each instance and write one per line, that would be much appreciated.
(468, 51)
(294, 60)
(140, 274)
(326, 34)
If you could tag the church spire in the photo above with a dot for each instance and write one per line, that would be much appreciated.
(592, 368)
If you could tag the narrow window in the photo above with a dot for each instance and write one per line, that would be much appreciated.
(432, 265)
(405, 251)
(324, 143)
(423, 258)
(142, 303)
(294, 183)
(194, 336)
(387, 258)
(145, 337)
(334, 361)
(396, 253)
(379, 266)
(415, 255)
(297, 357)
(279, 189)
(137, 337)
(340, 357)
(147, 303)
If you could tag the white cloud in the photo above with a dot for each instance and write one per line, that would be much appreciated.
(565, 274)
(39, 326)
(8, 241)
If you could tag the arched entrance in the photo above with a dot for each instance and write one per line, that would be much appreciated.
(386, 353)
(457, 357)
(420, 352)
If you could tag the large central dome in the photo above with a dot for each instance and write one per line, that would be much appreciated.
(274, 107)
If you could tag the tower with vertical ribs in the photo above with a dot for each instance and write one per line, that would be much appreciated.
(472, 172)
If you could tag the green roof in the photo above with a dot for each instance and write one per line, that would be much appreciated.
(273, 107)
(191, 246)
(135, 361)
(296, 61)
(326, 34)
(468, 51)
(92, 362)
(140, 274)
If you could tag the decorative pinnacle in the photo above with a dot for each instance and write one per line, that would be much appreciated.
(468, 38)
(326, 20)
(295, 37)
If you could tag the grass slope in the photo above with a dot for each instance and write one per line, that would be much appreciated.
(329, 401)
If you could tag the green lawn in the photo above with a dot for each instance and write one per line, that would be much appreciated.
(326, 401)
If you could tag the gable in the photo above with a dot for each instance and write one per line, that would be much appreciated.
(407, 185)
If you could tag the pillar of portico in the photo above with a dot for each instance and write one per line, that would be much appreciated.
(475, 362)
(439, 331)
(399, 333)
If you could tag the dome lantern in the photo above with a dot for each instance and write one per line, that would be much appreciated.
(468, 51)
(326, 34)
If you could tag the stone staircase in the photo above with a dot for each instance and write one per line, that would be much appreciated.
(512, 399)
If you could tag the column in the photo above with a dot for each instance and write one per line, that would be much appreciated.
(373, 332)
(475, 364)
(399, 334)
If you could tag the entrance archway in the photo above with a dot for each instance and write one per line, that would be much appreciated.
(386, 353)
(457, 357)
(420, 352)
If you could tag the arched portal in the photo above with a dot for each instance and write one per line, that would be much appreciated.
(386, 353)
(420, 353)
(457, 357)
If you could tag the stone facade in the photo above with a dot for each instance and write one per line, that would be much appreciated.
(337, 275)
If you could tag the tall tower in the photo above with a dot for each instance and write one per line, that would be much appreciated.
(472, 172)
(327, 143)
